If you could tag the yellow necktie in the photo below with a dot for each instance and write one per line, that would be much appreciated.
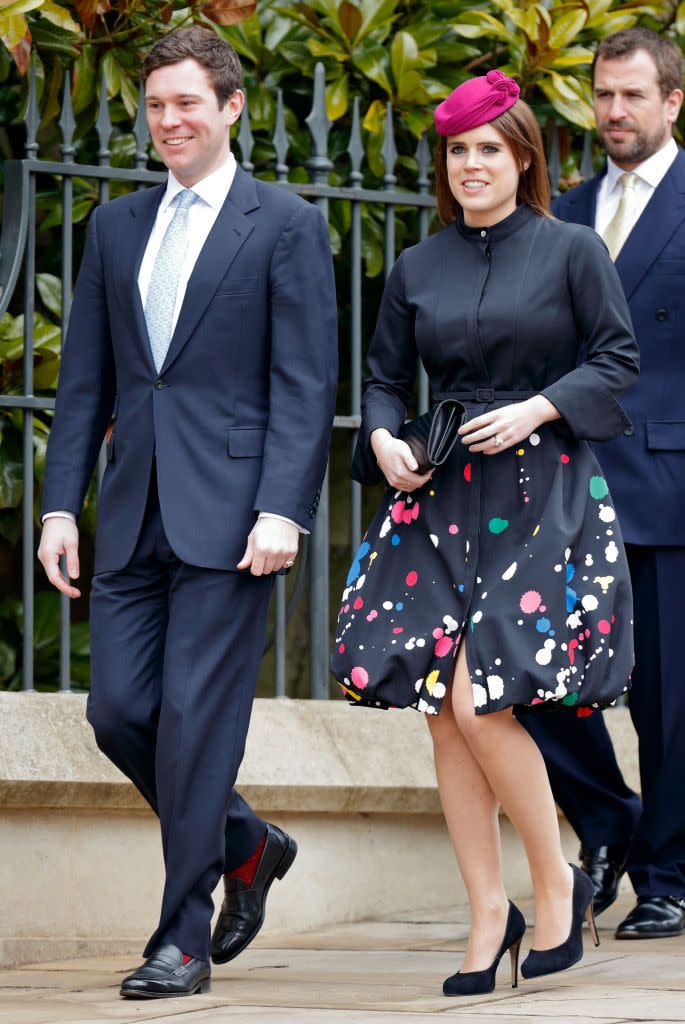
(619, 227)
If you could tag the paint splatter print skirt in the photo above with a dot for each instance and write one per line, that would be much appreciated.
(520, 553)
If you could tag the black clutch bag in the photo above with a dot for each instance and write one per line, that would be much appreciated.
(431, 437)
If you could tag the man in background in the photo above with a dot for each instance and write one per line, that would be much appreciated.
(637, 204)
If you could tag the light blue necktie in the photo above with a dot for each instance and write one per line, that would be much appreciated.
(161, 295)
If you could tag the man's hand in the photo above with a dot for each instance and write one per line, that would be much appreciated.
(60, 537)
(272, 543)
(397, 464)
(499, 429)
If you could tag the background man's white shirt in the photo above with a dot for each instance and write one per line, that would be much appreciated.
(649, 174)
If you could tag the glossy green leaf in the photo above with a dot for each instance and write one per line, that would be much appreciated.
(60, 17)
(112, 74)
(337, 97)
(84, 79)
(576, 111)
(372, 60)
(566, 28)
(404, 54)
(680, 19)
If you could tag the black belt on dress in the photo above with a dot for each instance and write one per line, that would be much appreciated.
(485, 395)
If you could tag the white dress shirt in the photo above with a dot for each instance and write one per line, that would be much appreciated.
(212, 192)
(649, 174)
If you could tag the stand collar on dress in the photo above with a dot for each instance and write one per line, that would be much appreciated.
(516, 220)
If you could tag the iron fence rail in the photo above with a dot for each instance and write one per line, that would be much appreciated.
(18, 250)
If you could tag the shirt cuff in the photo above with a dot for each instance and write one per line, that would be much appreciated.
(64, 515)
(284, 519)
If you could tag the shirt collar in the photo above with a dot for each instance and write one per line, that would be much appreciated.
(651, 171)
(212, 190)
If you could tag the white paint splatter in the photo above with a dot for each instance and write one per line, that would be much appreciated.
(495, 687)
(480, 695)
(589, 602)
(611, 552)
(508, 573)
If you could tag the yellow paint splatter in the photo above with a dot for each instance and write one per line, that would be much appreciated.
(348, 693)
(374, 554)
(432, 493)
(520, 451)
(432, 680)
(536, 530)
(604, 582)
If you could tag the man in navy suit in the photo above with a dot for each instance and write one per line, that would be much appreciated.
(637, 204)
(204, 325)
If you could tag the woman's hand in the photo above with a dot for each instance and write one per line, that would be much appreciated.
(500, 429)
(396, 461)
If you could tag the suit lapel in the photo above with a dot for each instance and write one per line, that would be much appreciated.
(661, 217)
(229, 231)
(138, 226)
(584, 203)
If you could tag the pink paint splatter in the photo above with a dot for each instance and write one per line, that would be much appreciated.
(565, 459)
(346, 609)
(530, 602)
(443, 646)
(571, 651)
(454, 528)
(587, 632)
(583, 712)
(412, 578)
(358, 604)
(437, 632)
(372, 615)
(401, 514)
(341, 649)
(603, 626)
(360, 677)
(467, 472)
(398, 629)
(543, 608)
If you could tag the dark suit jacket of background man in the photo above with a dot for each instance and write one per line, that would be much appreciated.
(645, 471)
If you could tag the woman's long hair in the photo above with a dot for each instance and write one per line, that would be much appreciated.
(522, 134)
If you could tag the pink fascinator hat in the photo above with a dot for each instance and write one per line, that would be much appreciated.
(476, 102)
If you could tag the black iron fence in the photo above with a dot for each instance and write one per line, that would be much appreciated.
(18, 252)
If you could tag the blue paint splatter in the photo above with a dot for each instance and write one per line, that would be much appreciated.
(542, 625)
(461, 588)
(356, 568)
(571, 596)
(399, 606)
(395, 540)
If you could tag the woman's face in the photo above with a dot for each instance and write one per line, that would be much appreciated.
(483, 175)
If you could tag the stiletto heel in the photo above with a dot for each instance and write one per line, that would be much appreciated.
(514, 951)
(549, 961)
(471, 983)
(590, 918)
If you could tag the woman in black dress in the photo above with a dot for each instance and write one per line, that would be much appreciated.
(500, 581)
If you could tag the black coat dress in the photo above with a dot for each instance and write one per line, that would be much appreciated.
(519, 551)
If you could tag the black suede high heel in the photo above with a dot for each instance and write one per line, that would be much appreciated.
(471, 983)
(548, 961)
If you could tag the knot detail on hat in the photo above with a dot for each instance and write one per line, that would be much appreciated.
(505, 86)
(476, 102)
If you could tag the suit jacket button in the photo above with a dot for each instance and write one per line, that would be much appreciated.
(629, 431)
(662, 314)
(159, 384)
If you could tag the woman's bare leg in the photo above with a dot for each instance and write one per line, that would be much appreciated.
(515, 770)
(471, 811)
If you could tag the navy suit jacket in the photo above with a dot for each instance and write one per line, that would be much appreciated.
(239, 417)
(646, 469)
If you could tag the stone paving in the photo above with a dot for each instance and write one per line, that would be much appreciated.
(376, 972)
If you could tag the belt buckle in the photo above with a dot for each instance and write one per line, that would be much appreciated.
(485, 394)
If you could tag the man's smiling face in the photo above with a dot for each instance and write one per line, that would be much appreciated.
(189, 131)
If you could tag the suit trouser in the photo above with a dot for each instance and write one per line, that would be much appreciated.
(585, 777)
(175, 652)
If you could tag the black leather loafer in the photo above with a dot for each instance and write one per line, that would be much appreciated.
(654, 917)
(606, 866)
(242, 913)
(164, 975)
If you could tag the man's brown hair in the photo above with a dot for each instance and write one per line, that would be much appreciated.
(216, 56)
(664, 52)
(522, 134)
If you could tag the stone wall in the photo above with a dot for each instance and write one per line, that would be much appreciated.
(80, 864)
